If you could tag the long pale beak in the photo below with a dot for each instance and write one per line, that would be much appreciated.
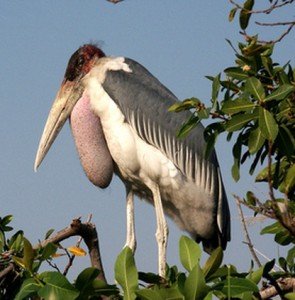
(67, 97)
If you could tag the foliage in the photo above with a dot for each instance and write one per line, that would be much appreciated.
(253, 103)
(197, 282)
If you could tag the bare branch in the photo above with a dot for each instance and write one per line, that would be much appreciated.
(89, 234)
(274, 6)
(281, 36)
(7, 270)
(268, 10)
(52, 265)
(246, 234)
(276, 23)
(72, 257)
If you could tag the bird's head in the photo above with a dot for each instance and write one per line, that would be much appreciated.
(68, 95)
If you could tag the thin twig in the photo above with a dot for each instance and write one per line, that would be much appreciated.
(268, 10)
(280, 37)
(276, 23)
(52, 265)
(267, 258)
(247, 236)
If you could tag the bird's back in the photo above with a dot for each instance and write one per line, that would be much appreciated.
(195, 198)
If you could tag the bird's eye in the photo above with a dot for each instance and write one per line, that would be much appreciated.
(80, 61)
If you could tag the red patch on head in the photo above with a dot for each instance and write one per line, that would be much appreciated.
(80, 62)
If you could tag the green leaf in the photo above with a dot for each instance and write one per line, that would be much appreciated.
(244, 15)
(48, 233)
(235, 286)
(286, 141)
(222, 272)
(237, 150)
(203, 113)
(29, 255)
(195, 286)
(238, 105)
(256, 140)
(291, 257)
(238, 121)
(251, 198)
(16, 241)
(209, 296)
(189, 125)
(290, 180)
(267, 124)
(172, 293)
(190, 252)
(236, 73)
(49, 250)
(256, 275)
(148, 294)
(215, 91)
(101, 288)
(268, 267)
(255, 88)
(149, 277)
(28, 289)
(185, 105)
(126, 273)
(281, 92)
(6, 220)
(272, 229)
(290, 296)
(56, 287)
(284, 238)
(232, 14)
(213, 262)
(85, 278)
(2, 241)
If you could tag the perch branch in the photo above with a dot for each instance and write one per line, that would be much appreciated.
(72, 257)
(89, 234)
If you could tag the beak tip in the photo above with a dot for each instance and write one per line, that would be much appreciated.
(36, 164)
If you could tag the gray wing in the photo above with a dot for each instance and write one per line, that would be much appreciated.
(144, 101)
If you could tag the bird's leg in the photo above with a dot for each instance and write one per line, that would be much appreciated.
(130, 238)
(162, 230)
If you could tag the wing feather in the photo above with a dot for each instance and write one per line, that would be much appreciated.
(144, 101)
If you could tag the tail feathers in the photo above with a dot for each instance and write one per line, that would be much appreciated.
(216, 241)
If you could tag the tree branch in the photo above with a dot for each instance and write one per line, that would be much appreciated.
(6, 271)
(89, 234)
(246, 234)
(285, 284)
(277, 4)
(72, 257)
(268, 10)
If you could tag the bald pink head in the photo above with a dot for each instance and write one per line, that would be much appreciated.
(80, 62)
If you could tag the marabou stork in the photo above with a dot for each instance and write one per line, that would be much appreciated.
(119, 117)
